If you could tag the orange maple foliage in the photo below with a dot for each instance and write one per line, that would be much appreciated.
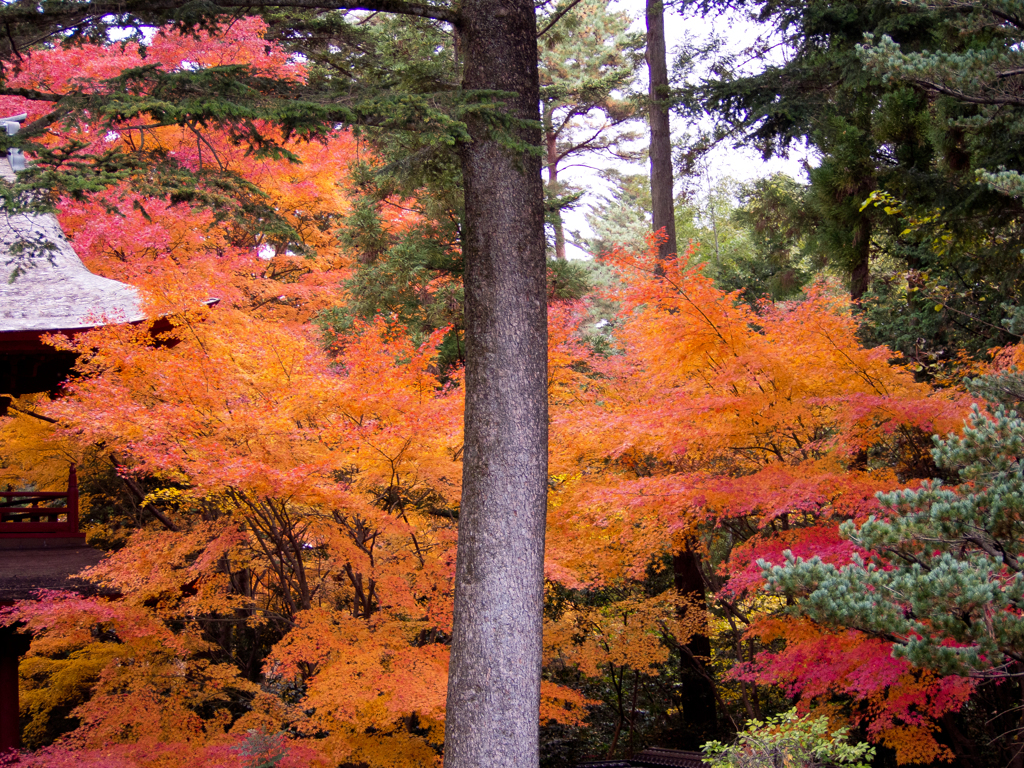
(292, 567)
(740, 433)
(303, 498)
(716, 414)
(290, 500)
(180, 252)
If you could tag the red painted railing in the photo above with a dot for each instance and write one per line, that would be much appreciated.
(30, 514)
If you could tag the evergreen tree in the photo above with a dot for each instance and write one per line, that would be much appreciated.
(985, 73)
(750, 237)
(622, 217)
(741, 234)
(961, 240)
(941, 245)
(414, 275)
(587, 64)
(941, 574)
(823, 96)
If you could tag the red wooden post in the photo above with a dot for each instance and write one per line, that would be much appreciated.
(10, 733)
(72, 500)
(12, 645)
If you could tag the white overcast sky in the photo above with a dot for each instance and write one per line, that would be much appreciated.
(739, 164)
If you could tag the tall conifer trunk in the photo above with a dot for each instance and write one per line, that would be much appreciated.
(699, 706)
(698, 691)
(661, 138)
(551, 162)
(494, 679)
(860, 273)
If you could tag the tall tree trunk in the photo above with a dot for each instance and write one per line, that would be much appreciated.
(551, 143)
(661, 138)
(559, 237)
(494, 674)
(698, 691)
(860, 274)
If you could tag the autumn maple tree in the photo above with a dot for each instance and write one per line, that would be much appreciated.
(295, 503)
(300, 538)
(740, 433)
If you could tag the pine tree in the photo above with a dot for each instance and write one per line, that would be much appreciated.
(588, 64)
(939, 573)
(985, 73)
(918, 118)
(822, 96)
(622, 216)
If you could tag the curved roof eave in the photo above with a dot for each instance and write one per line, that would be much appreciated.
(51, 290)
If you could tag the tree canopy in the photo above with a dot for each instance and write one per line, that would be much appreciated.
(335, 530)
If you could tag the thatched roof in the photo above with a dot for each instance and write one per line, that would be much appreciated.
(53, 290)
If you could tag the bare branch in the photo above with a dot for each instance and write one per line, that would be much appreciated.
(28, 13)
(558, 17)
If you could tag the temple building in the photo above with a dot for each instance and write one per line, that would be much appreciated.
(45, 288)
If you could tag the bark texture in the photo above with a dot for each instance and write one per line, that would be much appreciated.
(494, 678)
(698, 689)
(494, 681)
(661, 139)
(551, 143)
(860, 273)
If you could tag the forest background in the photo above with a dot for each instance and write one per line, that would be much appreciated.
(277, 478)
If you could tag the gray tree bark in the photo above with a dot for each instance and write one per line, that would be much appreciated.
(494, 675)
(699, 695)
(663, 203)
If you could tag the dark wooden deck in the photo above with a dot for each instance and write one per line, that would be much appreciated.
(650, 758)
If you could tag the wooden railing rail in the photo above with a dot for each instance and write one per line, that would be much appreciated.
(21, 515)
